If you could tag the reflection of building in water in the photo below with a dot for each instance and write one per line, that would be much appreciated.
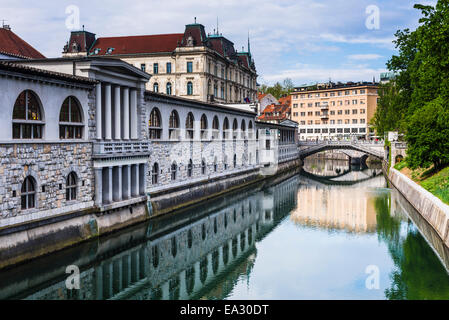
(176, 263)
(335, 207)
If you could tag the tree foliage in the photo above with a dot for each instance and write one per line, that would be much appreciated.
(278, 90)
(420, 87)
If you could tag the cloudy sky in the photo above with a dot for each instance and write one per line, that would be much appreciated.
(307, 41)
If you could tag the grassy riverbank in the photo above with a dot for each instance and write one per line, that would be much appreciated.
(436, 182)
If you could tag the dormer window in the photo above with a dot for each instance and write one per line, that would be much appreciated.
(190, 41)
(109, 51)
(97, 50)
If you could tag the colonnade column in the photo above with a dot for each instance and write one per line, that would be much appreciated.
(135, 180)
(117, 116)
(117, 183)
(98, 111)
(107, 184)
(126, 113)
(98, 186)
(107, 112)
(142, 178)
(126, 182)
(133, 110)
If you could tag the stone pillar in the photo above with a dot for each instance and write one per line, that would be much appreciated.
(98, 117)
(210, 271)
(117, 183)
(125, 114)
(107, 185)
(117, 116)
(197, 282)
(126, 182)
(182, 286)
(98, 186)
(142, 178)
(134, 180)
(107, 112)
(133, 110)
(98, 283)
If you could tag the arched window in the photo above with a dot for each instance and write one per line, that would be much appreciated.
(155, 173)
(174, 169)
(235, 161)
(225, 162)
(215, 164)
(225, 128)
(27, 120)
(189, 125)
(168, 88)
(173, 125)
(155, 87)
(190, 168)
(209, 87)
(203, 127)
(243, 128)
(189, 88)
(215, 128)
(250, 129)
(235, 127)
(71, 186)
(203, 166)
(28, 193)
(155, 125)
(70, 120)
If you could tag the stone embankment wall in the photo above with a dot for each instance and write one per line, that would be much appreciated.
(434, 211)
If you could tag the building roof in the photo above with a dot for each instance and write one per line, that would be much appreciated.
(275, 112)
(137, 44)
(329, 86)
(260, 96)
(9, 66)
(197, 103)
(285, 100)
(12, 45)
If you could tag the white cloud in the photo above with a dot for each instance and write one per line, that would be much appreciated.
(356, 40)
(368, 56)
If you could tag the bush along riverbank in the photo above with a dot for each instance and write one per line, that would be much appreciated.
(434, 181)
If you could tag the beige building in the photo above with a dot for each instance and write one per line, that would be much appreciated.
(191, 64)
(331, 111)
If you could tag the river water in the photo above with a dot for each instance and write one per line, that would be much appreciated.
(331, 231)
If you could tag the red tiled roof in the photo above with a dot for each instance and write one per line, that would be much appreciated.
(138, 44)
(271, 109)
(285, 100)
(11, 44)
(260, 96)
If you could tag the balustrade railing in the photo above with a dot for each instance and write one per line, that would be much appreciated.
(120, 147)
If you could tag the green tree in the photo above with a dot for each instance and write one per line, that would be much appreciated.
(428, 136)
(278, 90)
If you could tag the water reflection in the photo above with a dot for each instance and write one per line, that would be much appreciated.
(294, 237)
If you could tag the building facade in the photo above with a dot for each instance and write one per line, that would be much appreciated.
(192, 65)
(87, 150)
(334, 111)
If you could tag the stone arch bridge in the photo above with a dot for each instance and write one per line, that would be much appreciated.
(375, 149)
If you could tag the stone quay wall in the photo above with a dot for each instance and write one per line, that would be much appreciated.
(434, 211)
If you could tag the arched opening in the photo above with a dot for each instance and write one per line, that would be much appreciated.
(168, 88)
(28, 193)
(155, 124)
(189, 126)
(215, 128)
(225, 128)
(235, 161)
(189, 88)
(155, 87)
(190, 168)
(235, 127)
(70, 119)
(27, 119)
(203, 127)
(155, 173)
(173, 125)
(243, 129)
(71, 186)
(203, 166)
(173, 169)
(250, 129)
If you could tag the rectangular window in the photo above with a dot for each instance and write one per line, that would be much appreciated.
(303, 114)
(332, 112)
(354, 111)
(317, 130)
(362, 130)
(354, 121)
(325, 131)
(347, 121)
(295, 105)
(303, 122)
(317, 113)
(339, 130)
(310, 105)
(347, 111)
(354, 101)
(339, 121)
(302, 131)
(155, 68)
(362, 121)
(168, 67)
(295, 114)
(317, 104)
(362, 111)
(332, 121)
(347, 130)
(340, 111)
(332, 130)
(189, 67)
(362, 91)
(142, 67)
(310, 113)
(309, 130)
(354, 130)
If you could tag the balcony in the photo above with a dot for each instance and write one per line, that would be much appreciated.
(324, 107)
(120, 147)
(324, 116)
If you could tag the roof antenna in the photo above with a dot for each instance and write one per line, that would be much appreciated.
(83, 27)
(217, 25)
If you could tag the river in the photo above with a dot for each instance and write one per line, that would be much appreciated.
(331, 231)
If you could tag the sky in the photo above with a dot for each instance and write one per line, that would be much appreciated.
(306, 41)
